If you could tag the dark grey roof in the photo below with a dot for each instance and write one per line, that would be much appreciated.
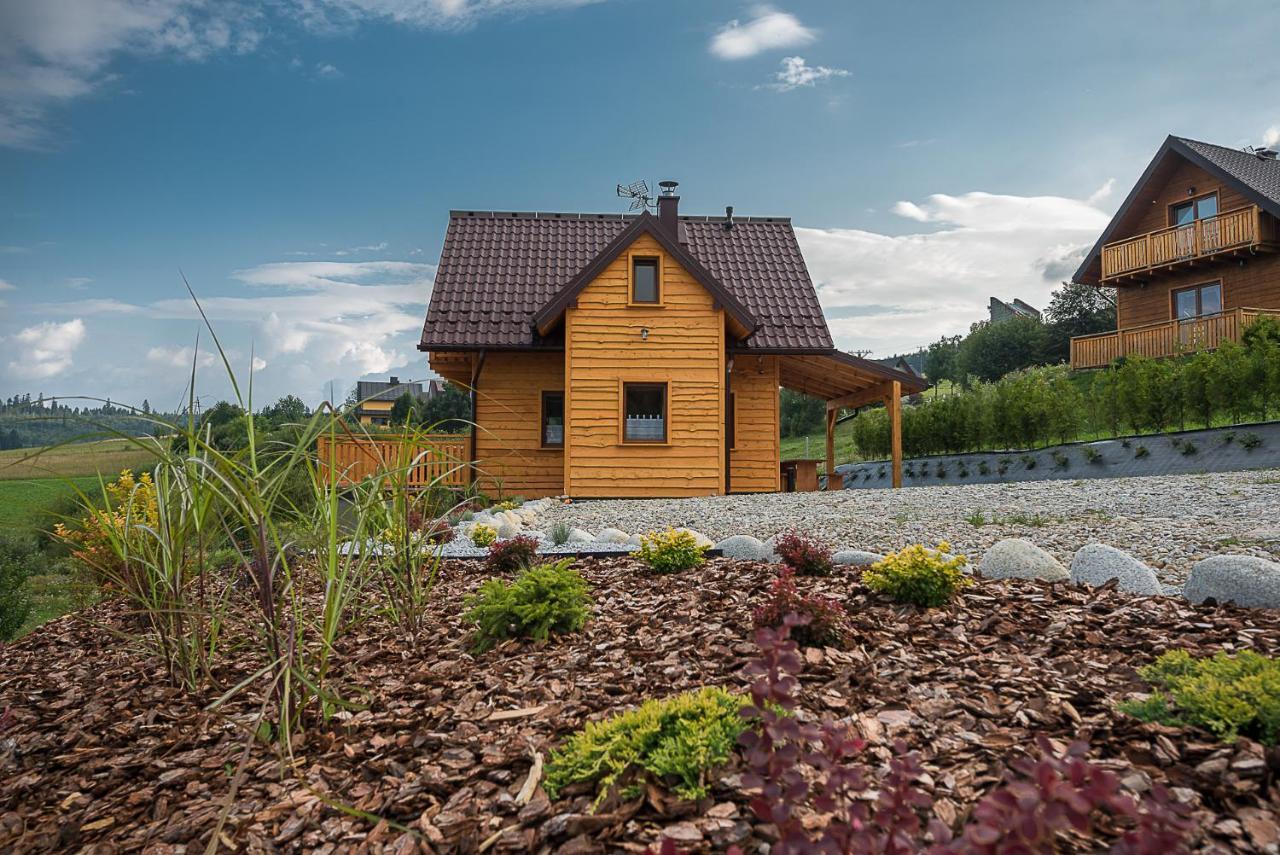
(381, 390)
(498, 269)
(1255, 176)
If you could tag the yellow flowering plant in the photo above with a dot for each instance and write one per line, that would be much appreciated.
(670, 551)
(483, 534)
(108, 533)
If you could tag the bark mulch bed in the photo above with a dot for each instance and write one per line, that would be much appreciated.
(98, 753)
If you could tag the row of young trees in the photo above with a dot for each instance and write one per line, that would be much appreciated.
(1045, 405)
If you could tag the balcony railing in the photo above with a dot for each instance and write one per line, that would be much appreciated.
(1230, 231)
(1165, 338)
(435, 460)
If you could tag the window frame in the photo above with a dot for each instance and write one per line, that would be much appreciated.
(1197, 289)
(1194, 202)
(542, 419)
(665, 386)
(632, 258)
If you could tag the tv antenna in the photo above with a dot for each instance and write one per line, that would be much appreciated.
(638, 193)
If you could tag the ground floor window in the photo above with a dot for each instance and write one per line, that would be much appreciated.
(552, 420)
(1197, 301)
(644, 408)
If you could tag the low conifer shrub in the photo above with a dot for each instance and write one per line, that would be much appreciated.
(803, 554)
(551, 598)
(826, 625)
(512, 554)
(918, 575)
(670, 551)
(678, 741)
(1227, 694)
(560, 533)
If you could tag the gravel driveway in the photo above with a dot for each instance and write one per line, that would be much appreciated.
(1169, 521)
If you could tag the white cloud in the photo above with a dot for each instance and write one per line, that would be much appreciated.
(78, 283)
(373, 247)
(768, 30)
(436, 14)
(7, 286)
(1271, 137)
(325, 69)
(179, 357)
(44, 350)
(795, 72)
(892, 293)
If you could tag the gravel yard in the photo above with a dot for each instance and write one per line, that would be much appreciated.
(1169, 521)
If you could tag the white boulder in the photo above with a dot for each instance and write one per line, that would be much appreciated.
(1240, 579)
(634, 540)
(611, 535)
(1097, 564)
(1016, 558)
(702, 540)
(855, 558)
(578, 535)
(743, 547)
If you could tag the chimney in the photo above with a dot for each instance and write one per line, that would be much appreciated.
(395, 381)
(728, 217)
(668, 208)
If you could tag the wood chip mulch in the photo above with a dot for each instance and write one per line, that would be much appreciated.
(98, 753)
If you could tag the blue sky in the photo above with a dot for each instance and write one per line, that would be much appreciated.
(297, 159)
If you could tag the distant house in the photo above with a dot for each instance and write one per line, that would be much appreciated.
(617, 355)
(1002, 311)
(376, 397)
(1191, 253)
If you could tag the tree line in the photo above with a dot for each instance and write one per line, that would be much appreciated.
(1039, 406)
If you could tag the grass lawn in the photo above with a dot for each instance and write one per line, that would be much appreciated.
(107, 457)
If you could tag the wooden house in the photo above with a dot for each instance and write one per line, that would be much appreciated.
(640, 355)
(1191, 253)
(375, 398)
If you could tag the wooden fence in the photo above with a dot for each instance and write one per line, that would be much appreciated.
(431, 460)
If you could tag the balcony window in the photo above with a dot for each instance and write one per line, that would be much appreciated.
(1198, 301)
(645, 412)
(1197, 209)
(552, 420)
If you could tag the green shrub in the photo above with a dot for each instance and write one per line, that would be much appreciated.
(678, 740)
(918, 575)
(542, 600)
(1092, 454)
(670, 551)
(19, 560)
(1229, 695)
(1141, 451)
(1250, 441)
(483, 534)
(1060, 460)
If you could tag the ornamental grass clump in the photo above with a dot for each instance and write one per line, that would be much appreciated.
(545, 600)
(670, 551)
(826, 624)
(919, 575)
(1227, 694)
(512, 554)
(677, 741)
(803, 554)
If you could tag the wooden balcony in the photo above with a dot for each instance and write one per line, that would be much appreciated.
(1228, 233)
(1166, 338)
(432, 460)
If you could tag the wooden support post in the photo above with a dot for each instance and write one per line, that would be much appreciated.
(833, 480)
(893, 403)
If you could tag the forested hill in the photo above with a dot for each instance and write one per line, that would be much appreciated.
(27, 422)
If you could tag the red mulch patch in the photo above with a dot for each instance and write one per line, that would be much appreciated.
(100, 753)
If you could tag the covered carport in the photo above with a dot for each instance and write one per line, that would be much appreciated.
(846, 381)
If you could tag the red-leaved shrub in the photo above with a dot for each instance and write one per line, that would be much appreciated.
(826, 624)
(799, 771)
(512, 554)
(803, 554)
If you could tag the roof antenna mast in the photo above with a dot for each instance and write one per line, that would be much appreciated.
(638, 193)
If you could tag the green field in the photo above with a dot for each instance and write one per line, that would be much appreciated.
(107, 457)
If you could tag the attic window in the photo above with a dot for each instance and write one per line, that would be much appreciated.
(644, 280)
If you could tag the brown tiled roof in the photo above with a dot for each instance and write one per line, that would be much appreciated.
(498, 269)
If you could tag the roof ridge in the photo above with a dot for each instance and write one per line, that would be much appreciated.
(469, 214)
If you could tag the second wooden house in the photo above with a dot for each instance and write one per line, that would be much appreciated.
(636, 355)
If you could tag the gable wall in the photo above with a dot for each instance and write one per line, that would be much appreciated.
(685, 348)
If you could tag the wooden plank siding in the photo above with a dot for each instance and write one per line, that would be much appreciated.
(1256, 283)
(754, 457)
(685, 348)
(509, 455)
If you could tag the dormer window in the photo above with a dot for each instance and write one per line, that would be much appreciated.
(645, 287)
